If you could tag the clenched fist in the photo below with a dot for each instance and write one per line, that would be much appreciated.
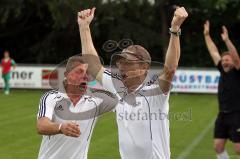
(85, 17)
(206, 28)
(224, 34)
(179, 17)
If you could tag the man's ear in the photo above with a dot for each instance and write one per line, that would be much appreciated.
(65, 74)
(145, 66)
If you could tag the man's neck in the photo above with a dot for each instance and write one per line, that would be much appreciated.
(74, 98)
(6, 58)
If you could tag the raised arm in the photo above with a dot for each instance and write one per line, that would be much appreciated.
(213, 50)
(173, 52)
(231, 48)
(84, 19)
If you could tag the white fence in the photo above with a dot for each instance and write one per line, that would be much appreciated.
(185, 80)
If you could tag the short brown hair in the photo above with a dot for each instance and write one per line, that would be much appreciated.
(73, 62)
(225, 54)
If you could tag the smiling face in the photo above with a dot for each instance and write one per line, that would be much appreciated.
(132, 72)
(227, 62)
(77, 78)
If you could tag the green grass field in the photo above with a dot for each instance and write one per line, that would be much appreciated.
(190, 139)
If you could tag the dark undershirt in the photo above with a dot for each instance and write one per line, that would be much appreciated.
(229, 90)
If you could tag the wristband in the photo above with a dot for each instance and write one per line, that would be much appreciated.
(59, 128)
(178, 33)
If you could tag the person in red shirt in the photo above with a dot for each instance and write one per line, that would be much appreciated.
(6, 64)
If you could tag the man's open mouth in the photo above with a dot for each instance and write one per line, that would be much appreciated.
(83, 85)
(226, 66)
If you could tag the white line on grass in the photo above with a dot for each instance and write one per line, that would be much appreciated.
(195, 142)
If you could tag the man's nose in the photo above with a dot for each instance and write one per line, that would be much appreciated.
(86, 77)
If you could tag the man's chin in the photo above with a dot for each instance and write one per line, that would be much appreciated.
(77, 90)
(130, 83)
(227, 69)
